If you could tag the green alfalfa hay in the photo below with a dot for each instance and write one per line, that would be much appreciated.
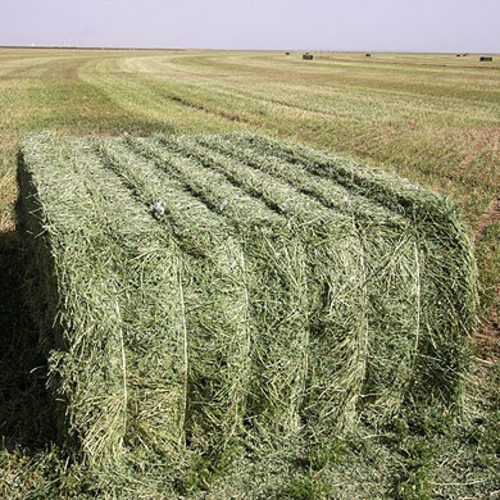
(353, 262)
(215, 325)
(199, 263)
(215, 300)
(445, 263)
(62, 248)
(336, 275)
(406, 232)
(337, 388)
(150, 266)
(275, 263)
(115, 213)
(390, 264)
(330, 242)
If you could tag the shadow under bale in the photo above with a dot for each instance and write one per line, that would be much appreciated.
(26, 418)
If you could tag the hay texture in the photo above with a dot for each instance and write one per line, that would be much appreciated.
(202, 294)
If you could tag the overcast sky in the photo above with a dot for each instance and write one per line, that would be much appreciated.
(393, 25)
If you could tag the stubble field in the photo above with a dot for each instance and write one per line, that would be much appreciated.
(434, 119)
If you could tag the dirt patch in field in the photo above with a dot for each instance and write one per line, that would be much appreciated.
(488, 339)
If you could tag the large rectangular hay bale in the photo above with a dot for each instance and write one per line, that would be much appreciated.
(279, 293)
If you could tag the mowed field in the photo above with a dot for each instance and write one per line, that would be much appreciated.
(434, 119)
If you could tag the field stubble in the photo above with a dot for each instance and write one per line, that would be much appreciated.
(431, 119)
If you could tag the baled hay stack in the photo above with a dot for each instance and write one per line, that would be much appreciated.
(200, 294)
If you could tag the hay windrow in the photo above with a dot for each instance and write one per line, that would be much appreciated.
(202, 294)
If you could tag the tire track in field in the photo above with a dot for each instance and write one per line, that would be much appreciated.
(200, 107)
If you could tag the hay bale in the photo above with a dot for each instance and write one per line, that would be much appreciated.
(385, 238)
(279, 294)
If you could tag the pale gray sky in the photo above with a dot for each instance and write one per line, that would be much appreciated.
(393, 25)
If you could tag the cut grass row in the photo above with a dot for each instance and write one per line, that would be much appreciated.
(386, 121)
